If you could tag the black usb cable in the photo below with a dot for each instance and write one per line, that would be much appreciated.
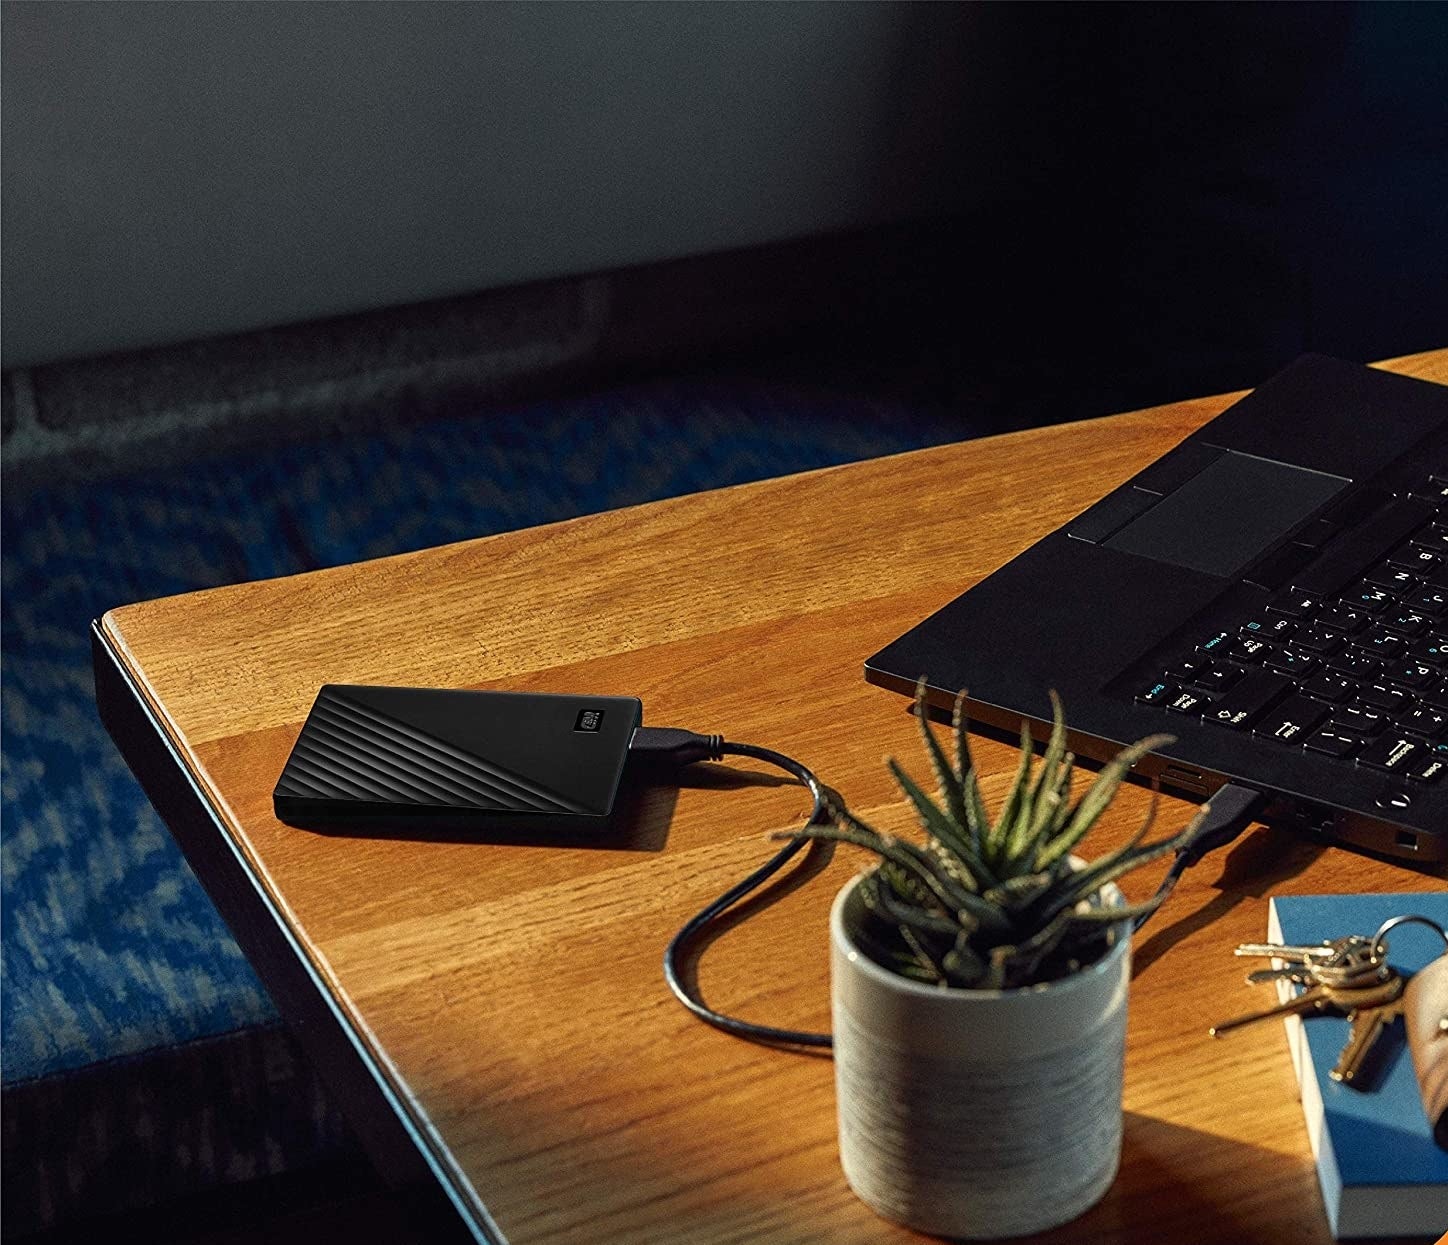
(1229, 811)
(1227, 814)
(677, 748)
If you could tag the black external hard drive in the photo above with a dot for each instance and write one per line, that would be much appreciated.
(404, 758)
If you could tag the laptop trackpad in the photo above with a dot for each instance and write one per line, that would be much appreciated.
(1228, 513)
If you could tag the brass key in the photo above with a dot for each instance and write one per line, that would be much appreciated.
(1306, 953)
(1319, 999)
(1368, 1023)
(1356, 967)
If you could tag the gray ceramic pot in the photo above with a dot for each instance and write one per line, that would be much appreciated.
(977, 1113)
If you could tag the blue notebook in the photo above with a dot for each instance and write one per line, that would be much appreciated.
(1381, 1173)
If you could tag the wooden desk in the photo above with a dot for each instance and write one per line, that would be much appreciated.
(495, 1016)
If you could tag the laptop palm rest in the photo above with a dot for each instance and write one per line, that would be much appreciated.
(1227, 514)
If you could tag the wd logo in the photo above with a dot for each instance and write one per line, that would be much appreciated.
(589, 720)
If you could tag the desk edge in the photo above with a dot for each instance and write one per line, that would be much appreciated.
(400, 1146)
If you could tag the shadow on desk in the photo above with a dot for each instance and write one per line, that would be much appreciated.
(640, 824)
(1252, 870)
(1188, 1184)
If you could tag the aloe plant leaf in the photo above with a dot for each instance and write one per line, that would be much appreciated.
(934, 972)
(907, 966)
(1049, 793)
(1053, 755)
(1062, 811)
(1120, 853)
(977, 820)
(906, 885)
(981, 902)
(951, 862)
(870, 887)
(1101, 793)
(938, 824)
(920, 919)
(960, 729)
(949, 782)
(839, 815)
(1111, 915)
(994, 977)
(1003, 830)
(1027, 956)
(951, 897)
(1095, 876)
(962, 963)
(1018, 891)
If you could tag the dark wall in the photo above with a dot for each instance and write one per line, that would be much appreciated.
(1125, 202)
(175, 171)
(1204, 191)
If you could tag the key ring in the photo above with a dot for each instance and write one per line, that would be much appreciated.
(1378, 948)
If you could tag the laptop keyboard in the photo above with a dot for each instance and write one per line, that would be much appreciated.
(1347, 659)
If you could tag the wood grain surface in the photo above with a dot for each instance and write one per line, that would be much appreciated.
(513, 994)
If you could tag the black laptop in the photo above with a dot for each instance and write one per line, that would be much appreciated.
(1273, 592)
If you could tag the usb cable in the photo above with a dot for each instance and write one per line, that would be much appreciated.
(667, 747)
(1228, 813)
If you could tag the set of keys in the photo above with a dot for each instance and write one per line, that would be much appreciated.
(1347, 976)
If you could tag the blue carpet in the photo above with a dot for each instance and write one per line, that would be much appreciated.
(110, 947)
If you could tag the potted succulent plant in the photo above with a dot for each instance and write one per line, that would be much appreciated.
(979, 985)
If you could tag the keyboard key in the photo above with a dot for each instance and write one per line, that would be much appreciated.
(1428, 767)
(1394, 753)
(1293, 604)
(1289, 661)
(1329, 685)
(1414, 559)
(1358, 719)
(1189, 700)
(1427, 649)
(1157, 693)
(1430, 601)
(1382, 696)
(1250, 651)
(1355, 664)
(1291, 719)
(1251, 696)
(1393, 580)
(1368, 599)
(1216, 645)
(1341, 618)
(1218, 676)
(1410, 674)
(1437, 701)
(1269, 628)
(1317, 640)
(1333, 743)
(1405, 622)
(1430, 723)
(1381, 644)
